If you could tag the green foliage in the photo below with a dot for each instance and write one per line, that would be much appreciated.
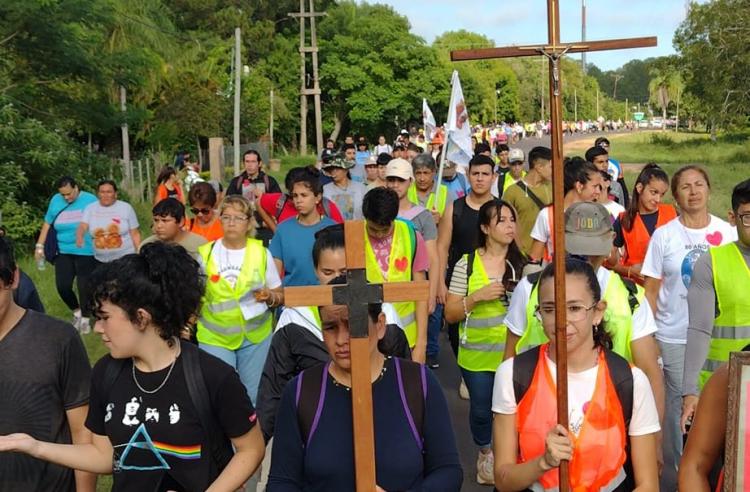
(712, 42)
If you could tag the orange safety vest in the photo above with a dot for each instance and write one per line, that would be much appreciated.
(598, 451)
(637, 238)
(211, 232)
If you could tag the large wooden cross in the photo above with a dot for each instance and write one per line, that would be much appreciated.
(356, 294)
(554, 50)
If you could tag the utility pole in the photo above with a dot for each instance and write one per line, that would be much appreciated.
(125, 137)
(237, 88)
(597, 103)
(617, 77)
(270, 128)
(303, 15)
(541, 89)
(575, 105)
(583, 34)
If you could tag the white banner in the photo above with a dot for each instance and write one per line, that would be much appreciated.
(428, 121)
(458, 128)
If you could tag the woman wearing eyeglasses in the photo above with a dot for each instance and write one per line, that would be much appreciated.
(610, 441)
(242, 283)
(205, 221)
(478, 298)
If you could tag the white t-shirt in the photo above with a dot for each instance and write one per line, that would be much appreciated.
(541, 230)
(229, 263)
(515, 318)
(110, 229)
(644, 420)
(670, 257)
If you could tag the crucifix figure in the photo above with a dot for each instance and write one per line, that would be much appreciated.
(554, 50)
(356, 294)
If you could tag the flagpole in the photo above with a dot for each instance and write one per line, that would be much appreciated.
(440, 169)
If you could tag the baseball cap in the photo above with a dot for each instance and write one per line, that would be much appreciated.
(371, 161)
(588, 229)
(399, 168)
(516, 155)
(339, 161)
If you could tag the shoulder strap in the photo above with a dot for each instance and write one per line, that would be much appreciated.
(524, 366)
(266, 182)
(280, 206)
(218, 443)
(533, 278)
(537, 201)
(632, 288)
(470, 266)
(412, 387)
(622, 377)
(311, 390)
(458, 209)
(58, 213)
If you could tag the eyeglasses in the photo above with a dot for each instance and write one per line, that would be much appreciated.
(575, 313)
(744, 219)
(231, 219)
(198, 211)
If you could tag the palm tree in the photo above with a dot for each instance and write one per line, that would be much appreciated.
(664, 88)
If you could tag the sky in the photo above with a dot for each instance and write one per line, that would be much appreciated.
(524, 22)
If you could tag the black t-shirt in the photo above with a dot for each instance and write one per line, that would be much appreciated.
(44, 371)
(464, 236)
(158, 440)
(649, 221)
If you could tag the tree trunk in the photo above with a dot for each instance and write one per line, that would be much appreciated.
(337, 123)
(124, 129)
(713, 130)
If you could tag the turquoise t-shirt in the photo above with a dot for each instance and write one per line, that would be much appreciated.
(292, 244)
(67, 222)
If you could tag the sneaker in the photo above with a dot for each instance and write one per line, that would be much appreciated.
(486, 468)
(432, 362)
(463, 391)
(84, 326)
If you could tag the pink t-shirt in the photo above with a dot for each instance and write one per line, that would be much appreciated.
(382, 248)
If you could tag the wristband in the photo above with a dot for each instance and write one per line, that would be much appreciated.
(466, 311)
(39, 246)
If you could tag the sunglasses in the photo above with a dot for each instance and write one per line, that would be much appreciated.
(198, 211)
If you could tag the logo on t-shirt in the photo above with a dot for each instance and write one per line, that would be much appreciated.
(688, 263)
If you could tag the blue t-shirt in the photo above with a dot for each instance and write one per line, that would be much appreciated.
(292, 244)
(67, 222)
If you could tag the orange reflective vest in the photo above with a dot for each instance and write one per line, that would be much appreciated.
(637, 238)
(599, 450)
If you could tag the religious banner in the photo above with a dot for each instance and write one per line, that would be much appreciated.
(428, 121)
(458, 129)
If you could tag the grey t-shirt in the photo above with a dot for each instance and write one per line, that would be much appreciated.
(44, 371)
(422, 220)
(110, 229)
(702, 309)
(348, 200)
(190, 241)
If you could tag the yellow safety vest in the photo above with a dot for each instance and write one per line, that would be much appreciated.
(618, 318)
(442, 200)
(509, 181)
(482, 333)
(731, 332)
(221, 322)
(399, 270)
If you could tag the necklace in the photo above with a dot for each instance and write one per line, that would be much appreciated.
(151, 392)
(686, 231)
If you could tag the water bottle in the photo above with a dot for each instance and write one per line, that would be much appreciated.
(41, 265)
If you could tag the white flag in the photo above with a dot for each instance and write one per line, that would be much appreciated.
(428, 121)
(458, 128)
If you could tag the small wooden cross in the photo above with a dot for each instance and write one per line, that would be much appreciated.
(554, 50)
(356, 294)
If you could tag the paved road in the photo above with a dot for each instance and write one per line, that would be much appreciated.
(529, 143)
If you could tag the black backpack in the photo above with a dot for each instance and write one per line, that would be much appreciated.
(524, 366)
(311, 383)
(218, 443)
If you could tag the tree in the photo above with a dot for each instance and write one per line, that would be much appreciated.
(664, 89)
(712, 43)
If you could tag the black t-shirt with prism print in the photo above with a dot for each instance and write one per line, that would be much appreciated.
(158, 440)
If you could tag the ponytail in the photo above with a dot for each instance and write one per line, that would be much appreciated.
(650, 171)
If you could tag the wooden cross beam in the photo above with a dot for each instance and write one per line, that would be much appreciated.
(554, 50)
(356, 294)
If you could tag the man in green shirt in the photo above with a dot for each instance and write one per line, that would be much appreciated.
(529, 195)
